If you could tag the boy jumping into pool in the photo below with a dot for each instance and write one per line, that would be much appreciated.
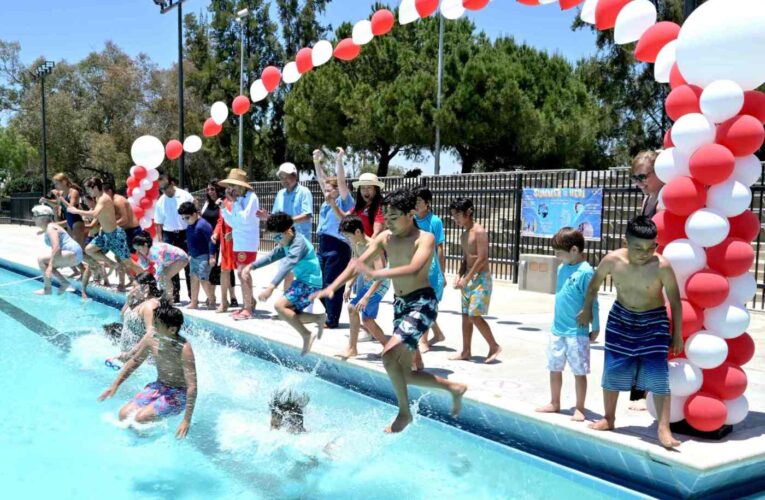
(410, 252)
(176, 387)
(637, 331)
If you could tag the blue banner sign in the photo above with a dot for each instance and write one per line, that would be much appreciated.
(545, 211)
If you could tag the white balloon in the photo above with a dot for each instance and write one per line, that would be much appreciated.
(452, 9)
(634, 20)
(664, 62)
(150, 212)
(192, 144)
(727, 320)
(676, 407)
(138, 193)
(320, 54)
(730, 198)
(146, 184)
(152, 174)
(722, 100)
(290, 73)
(407, 12)
(692, 131)
(588, 11)
(748, 170)
(671, 163)
(706, 227)
(258, 90)
(706, 350)
(685, 256)
(742, 288)
(132, 171)
(362, 32)
(147, 151)
(219, 112)
(723, 39)
(684, 378)
(660, 200)
(145, 222)
(738, 409)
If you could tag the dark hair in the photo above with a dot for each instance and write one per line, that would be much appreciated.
(373, 207)
(107, 186)
(279, 222)
(149, 280)
(641, 227)
(424, 193)
(187, 208)
(219, 190)
(113, 330)
(567, 238)
(142, 240)
(94, 182)
(287, 407)
(462, 205)
(402, 199)
(351, 224)
(169, 178)
(168, 315)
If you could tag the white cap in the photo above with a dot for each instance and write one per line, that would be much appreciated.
(287, 168)
(42, 211)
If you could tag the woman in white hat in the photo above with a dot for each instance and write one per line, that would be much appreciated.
(368, 204)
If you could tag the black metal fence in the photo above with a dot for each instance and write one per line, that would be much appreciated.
(21, 207)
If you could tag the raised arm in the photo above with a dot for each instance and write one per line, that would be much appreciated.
(318, 169)
(190, 375)
(89, 213)
(342, 183)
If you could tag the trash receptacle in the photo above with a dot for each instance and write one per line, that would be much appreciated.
(538, 273)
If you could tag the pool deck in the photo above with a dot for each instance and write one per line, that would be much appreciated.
(518, 383)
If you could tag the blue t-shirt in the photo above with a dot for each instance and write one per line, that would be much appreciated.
(329, 223)
(299, 257)
(433, 224)
(570, 291)
(297, 202)
(198, 238)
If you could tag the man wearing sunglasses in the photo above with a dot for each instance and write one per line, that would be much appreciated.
(644, 177)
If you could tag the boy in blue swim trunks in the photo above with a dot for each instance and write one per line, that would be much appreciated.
(637, 333)
(175, 389)
(410, 252)
(298, 257)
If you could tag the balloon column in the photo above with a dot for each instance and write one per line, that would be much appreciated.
(142, 186)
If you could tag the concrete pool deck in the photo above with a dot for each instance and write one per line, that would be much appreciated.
(518, 383)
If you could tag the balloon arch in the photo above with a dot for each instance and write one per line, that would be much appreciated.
(712, 63)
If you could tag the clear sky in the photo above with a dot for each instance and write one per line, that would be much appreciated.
(70, 29)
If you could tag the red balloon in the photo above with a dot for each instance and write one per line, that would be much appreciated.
(174, 149)
(712, 164)
(727, 381)
(668, 139)
(524, 2)
(707, 289)
(607, 11)
(732, 257)
(473, 4)
(671, 356)
(146, 202)
(152, 230)
(271, 77)
(660, 249)
(132, 182)
(745, 226)
(138, 211)
(304, 60)
(654, 39)
(139, 172)
(683, 195)
(569, 4)
(676, 78)
(740, 349)
(705, 412)
(382, 22)
(693, 318)
(754, 104)
(742, 134)
(683, 100)
(210, 128)
(153, 192)
(669, 227)
(346, 50)
(427, 7)
(241, 105)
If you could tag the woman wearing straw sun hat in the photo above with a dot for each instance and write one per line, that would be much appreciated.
(245, 229)
(368, 204)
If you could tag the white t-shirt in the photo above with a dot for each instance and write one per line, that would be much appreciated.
(245, 225)
(166, 210)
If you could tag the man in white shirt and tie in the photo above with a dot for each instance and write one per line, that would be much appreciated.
(171, 228)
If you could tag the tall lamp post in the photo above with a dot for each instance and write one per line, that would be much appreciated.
(240, 17)
(166, 6)
(39, 73)
(440, 78)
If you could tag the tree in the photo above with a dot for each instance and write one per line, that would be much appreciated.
(15, 155)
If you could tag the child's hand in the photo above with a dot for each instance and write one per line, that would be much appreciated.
(594, 335)
(247, 269)
(214, 239)
(108, 393)
(460, 283)
(363, 303)
(317, 154)
(327, 293)
(347, 294)
(266, 294)
(262, 214)
(362, 268)
(49, 270)
(183, 429)
(340, 154)
(212, 261)
(584, 317)
(677, 345)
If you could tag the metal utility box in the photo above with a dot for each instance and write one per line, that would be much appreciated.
(537, 273)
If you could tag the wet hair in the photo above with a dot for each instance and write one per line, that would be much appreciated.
(187, 208)
(424, 193)
(279, 222)
(287, 408)
(149, 280)
(351, 224)
(374, 205)
(567, 238)
(95, 182)
(644, 158)
(402, 199)
(641, 227)
(113, 330)
(142, 240)
(462, 205)
(168, 315)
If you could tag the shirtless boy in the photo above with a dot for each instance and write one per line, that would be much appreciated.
(127, 220)
(410, 252)
(176, 387)
(637, 332)
(474, 279)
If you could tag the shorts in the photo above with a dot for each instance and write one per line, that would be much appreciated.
(413, 314)
(476, 295)
(373, 306)
(114, 242)
(200, 267)
(299, 294)
(167, 400)
(574, 349)
(131, 233)
(245, 258)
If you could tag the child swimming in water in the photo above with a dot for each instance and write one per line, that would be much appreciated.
(287, 411)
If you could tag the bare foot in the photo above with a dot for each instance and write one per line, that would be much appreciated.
(463, 356)
(44, 291)
(548, 408)
(638, 405)
(578, 415)
(84, 296)
(424, 345)
(493, 353)
(307, 343)
(210, 304)
(347, 353)
(221, 309)
(243, 315)
(667, 440)
(457, 392)
(399, 424)
(602, 425)
(192, 305)
(436, 339)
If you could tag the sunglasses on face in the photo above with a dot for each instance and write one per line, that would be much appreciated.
(641, 177)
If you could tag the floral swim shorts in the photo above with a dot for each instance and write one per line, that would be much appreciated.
(167, 400)
(476, 295)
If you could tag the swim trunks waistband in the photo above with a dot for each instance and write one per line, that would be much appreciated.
(416, 294)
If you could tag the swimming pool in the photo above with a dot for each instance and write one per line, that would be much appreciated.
(57, 440)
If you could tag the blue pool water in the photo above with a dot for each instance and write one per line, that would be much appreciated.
(57, 441)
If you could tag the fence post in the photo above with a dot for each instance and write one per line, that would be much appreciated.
(517, 225)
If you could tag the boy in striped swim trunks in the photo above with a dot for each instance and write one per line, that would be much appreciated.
(637, 332)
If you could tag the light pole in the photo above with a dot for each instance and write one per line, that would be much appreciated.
(164, 7)
(39, 73)
(240, 17)
(440, 78)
